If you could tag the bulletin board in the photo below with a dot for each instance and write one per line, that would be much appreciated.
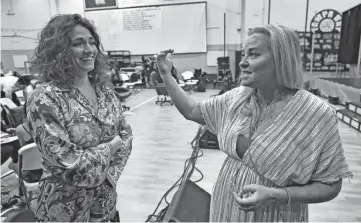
(326, 48)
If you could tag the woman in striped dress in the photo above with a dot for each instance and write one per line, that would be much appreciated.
(283, 145)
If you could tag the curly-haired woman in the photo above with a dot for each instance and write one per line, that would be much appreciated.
(77, 123)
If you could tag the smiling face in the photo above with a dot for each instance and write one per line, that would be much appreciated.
(83, 50)
(257, 67)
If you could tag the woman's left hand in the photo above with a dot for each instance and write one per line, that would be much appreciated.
(258, 196)
(11, 131)
(164, 63)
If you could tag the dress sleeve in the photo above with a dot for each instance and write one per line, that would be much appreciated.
(120, 158)
(214, 110)
(331, 164)
(75, 165)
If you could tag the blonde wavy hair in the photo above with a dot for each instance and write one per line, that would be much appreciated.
(286, 51)
(285, 48)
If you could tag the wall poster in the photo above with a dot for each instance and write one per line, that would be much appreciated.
(325, 56)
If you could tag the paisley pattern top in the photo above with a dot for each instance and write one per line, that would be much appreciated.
(79, 173)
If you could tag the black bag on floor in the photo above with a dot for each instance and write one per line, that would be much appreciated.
(201, 87)
(16, 210)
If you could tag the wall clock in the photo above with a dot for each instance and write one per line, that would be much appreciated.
(327, 20)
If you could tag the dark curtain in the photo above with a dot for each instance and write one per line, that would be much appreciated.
(350, 36)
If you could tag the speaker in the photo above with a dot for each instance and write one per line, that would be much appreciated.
(223, 66)
(333, 100)
(222, 60)
(208, 141)
(350, 36)
(201, 87)
(223, 63)
(189, 204)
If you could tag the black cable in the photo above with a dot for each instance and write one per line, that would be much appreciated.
(198, 180)
(178, 184)
(189, 167)
(161, 214)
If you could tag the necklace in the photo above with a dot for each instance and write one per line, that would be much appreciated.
(266, 109)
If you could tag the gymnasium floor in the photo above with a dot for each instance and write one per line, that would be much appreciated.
(161, 146)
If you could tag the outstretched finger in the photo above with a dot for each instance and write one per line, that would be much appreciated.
(167, 51)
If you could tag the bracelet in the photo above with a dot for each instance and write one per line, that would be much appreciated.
(288, 196)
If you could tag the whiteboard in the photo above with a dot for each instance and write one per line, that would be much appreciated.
(150, 29)
(19, 60)
(212, 57)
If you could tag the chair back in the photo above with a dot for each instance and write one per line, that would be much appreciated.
(159, 87)
(8, 102)
(123, 77)
(197, 73)
(14, 115)
(134, 77)
(29, 158)
(161, 90)
(122, 93)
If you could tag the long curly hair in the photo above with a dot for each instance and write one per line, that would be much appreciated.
(52, 56)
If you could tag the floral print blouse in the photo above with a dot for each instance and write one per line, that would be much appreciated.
(79, 173)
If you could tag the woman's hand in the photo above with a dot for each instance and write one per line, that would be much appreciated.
(115, 144)
(164, 62)
(258, 196)
(11, 131)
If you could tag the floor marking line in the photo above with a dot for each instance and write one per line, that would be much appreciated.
(7, 173)
(137, 106)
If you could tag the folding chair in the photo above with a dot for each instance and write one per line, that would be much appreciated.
(8, 102)
(161, 90)
(19, 210)
(135, 81)
(29, 160)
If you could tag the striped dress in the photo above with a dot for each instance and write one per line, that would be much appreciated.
(301, 145)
